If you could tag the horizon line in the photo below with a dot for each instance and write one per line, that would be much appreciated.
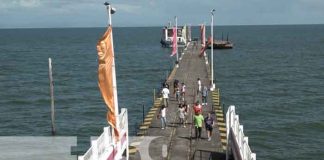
(67, 27)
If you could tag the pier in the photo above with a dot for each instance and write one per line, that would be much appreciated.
(178, 142)
(175, 141)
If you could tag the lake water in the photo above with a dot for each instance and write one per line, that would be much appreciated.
(274, 76)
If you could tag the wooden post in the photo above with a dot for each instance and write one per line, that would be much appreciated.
(153, 95)
(52, 95)
(143, 111)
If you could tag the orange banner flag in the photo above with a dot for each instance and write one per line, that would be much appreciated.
(105, 76)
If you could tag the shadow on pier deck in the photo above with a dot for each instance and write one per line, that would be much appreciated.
(178, 142)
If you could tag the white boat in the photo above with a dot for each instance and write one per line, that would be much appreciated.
(183, 36)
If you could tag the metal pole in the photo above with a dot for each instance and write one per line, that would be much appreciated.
(143, 110)
(176, 26)
(109, 14)
(153, 95)
(212, 50)
(52, 95)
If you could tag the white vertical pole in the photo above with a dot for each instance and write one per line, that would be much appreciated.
(212, 50)
(94, 145)
(253, 155)
(109, 14)
(114, 71)
(228, 127)
(127, 136)
(176, 26)
(52, 95)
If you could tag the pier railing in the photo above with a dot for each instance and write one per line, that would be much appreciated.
(106, 146)
(237, 142)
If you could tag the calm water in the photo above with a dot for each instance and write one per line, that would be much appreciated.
(274, 76)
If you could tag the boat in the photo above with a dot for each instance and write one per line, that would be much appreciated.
(221, 44)
(183, 36)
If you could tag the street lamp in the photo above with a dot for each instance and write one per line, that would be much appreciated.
(212, 49)
(110, 11)
(176, 26)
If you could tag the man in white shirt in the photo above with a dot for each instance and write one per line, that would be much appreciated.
(165, 96)
(199, 86)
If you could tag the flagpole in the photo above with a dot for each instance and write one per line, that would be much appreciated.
(176, 26)
(212, 50)
(109, 9)
(52, 95)
(204, 39)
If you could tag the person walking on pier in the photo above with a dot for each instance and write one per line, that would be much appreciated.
(204, 96)
(163, 116)
(181, 113)
(165, 95)
(186, 111)
(177, 94)
(175, 86)
(199, 86)
(197, 108)
(209, 123)
(183, 91)
(198, 122)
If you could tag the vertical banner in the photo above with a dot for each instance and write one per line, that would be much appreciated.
(105, 76)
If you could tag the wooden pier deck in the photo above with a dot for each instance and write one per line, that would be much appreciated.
(177, 142)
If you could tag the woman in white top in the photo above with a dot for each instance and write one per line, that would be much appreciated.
(183, 91)
(181, 112)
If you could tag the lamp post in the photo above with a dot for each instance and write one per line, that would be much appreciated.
(212, 50)
(176, 26)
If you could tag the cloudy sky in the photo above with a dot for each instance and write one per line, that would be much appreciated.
(92, 13)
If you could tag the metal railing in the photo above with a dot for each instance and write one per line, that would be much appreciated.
(237, 142)
(106, 146)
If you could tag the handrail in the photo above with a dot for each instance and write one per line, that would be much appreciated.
(106, 145)
(236, 140)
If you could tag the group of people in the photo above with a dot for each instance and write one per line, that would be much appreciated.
(183, 108)
(179, 91)
(199, 120)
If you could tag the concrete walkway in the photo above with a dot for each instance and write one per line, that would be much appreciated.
(178, 142)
